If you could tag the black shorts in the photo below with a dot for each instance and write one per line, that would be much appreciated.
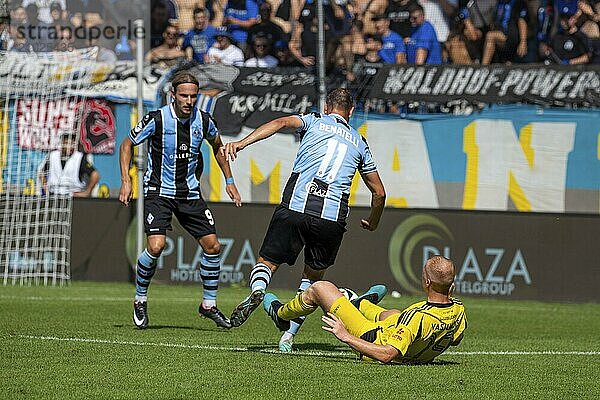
(193, 215)
(289, 231)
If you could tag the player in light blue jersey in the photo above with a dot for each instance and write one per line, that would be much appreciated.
(314, 206)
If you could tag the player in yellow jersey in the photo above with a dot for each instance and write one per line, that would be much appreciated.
(415, 335)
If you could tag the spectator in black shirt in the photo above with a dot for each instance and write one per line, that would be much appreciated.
(265, 27)
(569, 46)
(399, 15)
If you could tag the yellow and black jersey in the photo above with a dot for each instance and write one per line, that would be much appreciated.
(424, 330)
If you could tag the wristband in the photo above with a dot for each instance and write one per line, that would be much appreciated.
(229, 180)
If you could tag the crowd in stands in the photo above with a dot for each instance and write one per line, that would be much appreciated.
(269, 33)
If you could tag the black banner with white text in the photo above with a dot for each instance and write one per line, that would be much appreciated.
(260, 95)
(540, 84)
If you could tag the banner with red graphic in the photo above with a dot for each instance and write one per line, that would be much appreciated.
(41, 123)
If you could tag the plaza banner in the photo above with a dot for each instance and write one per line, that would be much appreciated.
(538, 84)
(549, 257)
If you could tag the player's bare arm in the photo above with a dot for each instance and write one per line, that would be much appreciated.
(125, 193)
(262, 132)
(230, 188)
(375, 185)
(382, 353)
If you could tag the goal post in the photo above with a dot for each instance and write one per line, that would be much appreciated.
(36, 111)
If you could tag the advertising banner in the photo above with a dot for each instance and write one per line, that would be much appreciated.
(41, 123)
(550, 257)
(540, 84)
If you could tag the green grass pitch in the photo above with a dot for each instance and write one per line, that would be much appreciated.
(78, 342)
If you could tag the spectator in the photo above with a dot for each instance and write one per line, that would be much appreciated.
(284, 56)
(508, 33)
(365, 10)
(588, 16)
(43, 6)
(265, 27)
(465, 42)
(224, 51)
(197, 41)
(20, 42)
(239, 17)
(438, 12)
(169, 53)
(372, 45)
(105, 47)
(262, 57)
(283, 14)
(397, 12)
(66, 41)
(58, 15)
(185, 22)
(4, 33)
(392, 50)
(159, 20)
(69, 171)
(423, 46)
(480, 12)
(569, 46)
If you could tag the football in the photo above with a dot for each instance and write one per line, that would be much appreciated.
(349, 293)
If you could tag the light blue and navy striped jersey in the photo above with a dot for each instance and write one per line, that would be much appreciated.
(329, 155)
(174, 158)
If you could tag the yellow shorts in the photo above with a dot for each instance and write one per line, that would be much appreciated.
(358, 325)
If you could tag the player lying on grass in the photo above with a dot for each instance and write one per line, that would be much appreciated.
(415, 335)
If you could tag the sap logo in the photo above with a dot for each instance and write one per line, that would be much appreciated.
(470, 278)
(315, 190)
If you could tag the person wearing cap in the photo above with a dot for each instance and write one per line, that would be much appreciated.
(224, 51)
(68, 171)
(392, 49)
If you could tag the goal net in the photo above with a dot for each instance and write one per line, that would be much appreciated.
(37, 117)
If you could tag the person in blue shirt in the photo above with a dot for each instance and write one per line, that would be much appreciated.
(392, 49)
(199, 39)
(239, 16)
(423, 46)
(314, 205)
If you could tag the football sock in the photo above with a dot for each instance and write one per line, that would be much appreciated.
(146, 267)
(297, 323)
(370, 311)
(260, 277)
(210, 268)
(295, 308)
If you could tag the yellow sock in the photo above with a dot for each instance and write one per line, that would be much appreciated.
(370, 311)
(295, 308)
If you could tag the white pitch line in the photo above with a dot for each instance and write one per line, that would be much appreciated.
(100, 299)
(309, 352)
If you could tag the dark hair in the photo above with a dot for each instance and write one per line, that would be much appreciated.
(183, 77)
(339, 98)
(416, 7)
(199, 10)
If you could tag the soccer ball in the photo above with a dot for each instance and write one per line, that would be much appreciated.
(349, 293)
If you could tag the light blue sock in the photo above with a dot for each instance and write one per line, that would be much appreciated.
(210, 269)
(146, 267)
